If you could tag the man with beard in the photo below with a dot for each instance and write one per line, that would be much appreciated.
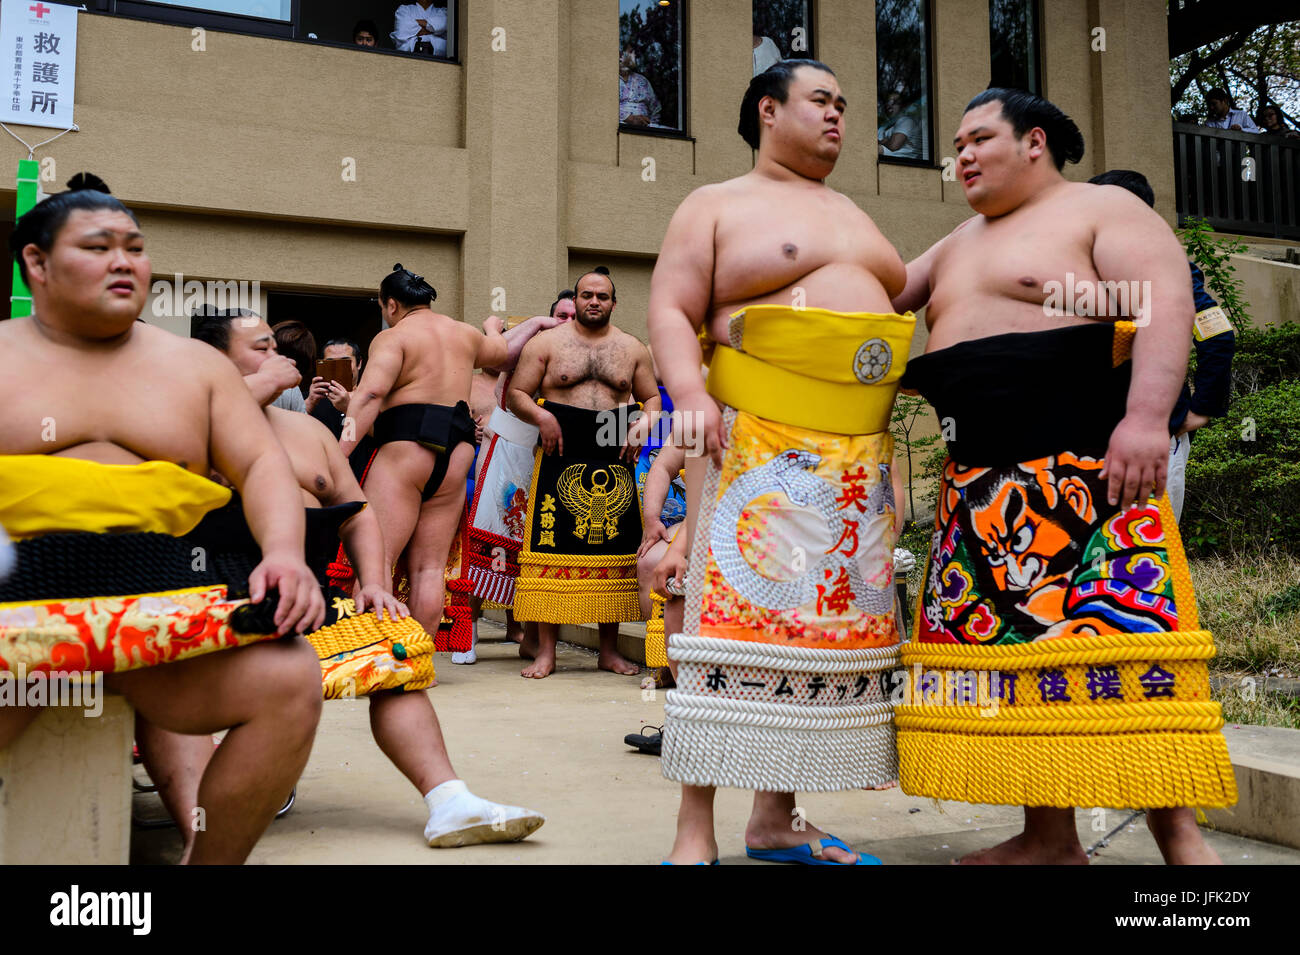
(578, 562)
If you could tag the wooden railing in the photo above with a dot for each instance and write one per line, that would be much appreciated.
(1242, 183)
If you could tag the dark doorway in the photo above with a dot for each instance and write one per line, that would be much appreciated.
(328, 316)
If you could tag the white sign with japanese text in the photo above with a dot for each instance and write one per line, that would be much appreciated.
(39, 45)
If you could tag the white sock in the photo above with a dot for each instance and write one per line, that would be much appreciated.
(449, 790)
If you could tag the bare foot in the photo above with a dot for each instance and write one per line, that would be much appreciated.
(694, 842)
(527, 648)
(616, 663)
(892, 784)
(1027, 850)
(692, 848)
(1179, 838)
(760, 836)
(515, 634)
(543, 666)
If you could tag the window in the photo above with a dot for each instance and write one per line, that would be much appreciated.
(263, 9)
(782, 31)
(1013, 45)
(425, 29)
(903, 80)
(650, 65)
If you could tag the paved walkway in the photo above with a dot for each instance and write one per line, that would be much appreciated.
(556, 745)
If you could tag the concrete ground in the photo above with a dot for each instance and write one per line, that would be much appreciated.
(556, 745)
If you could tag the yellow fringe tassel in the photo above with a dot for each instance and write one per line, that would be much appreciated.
(1130, 770)
(608, 606)
(656, 649)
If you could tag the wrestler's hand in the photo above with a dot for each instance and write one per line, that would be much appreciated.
(378, 599)
(552, 439)
(654, 533)
(1137, 461)
(697, 426)
(281, 371)
(672, 566)
(302, 607)
(636, 438)
(493, 325)
(547, 321)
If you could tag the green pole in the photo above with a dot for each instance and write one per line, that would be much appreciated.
(29, 170)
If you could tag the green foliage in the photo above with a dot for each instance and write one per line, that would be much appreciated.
(1214, 258)
(1262, 66)
(1243, 475)
(908, 410)
(1265, 356)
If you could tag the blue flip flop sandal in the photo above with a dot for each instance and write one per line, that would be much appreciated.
(714, 862)
(810, 853)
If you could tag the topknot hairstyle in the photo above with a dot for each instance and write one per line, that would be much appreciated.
(773, 82)
(598, 270)
(1024, 111)
(406, 288)
(41, 224)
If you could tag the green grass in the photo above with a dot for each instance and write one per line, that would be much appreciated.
(1258, 708)
(1252, 606)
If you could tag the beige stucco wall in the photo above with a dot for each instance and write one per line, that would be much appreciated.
(1271, 290)
(504, 174)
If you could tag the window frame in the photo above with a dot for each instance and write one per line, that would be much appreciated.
(683, 32)
(179, 15)
(932, 162)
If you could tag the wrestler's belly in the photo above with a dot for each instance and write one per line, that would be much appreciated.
(103, 452)
(838, 286)
(591, 394)
(979, 316)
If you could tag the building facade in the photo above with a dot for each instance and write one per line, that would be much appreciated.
(264, 150)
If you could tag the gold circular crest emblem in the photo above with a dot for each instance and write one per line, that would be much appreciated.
(872, 361)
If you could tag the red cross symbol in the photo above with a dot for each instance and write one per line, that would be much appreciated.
(40, 10)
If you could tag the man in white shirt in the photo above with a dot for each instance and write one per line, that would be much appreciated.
(420, 23)
(766, 52)
(1221, 115)
(900, 137)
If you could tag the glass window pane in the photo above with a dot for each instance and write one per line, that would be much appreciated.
(650, 65)
(266, 9)
(903, 79)
(781, 32)
(421, 28)
(1013, 44)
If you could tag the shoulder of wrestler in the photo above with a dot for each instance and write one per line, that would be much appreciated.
(707, 200)
(295, 424)
(186, 358)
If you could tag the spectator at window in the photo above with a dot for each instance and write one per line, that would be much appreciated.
(1220, 113)
(900, 137)
(637, 103)
(766, 52)
(294, 341)
(1270, 123)
(420, 28)
(365, 33)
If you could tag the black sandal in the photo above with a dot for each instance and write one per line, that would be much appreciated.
(646, 742)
